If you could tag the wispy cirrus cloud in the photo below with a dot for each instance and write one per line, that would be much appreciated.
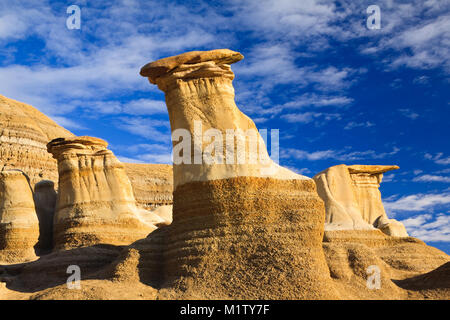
(150, 129)
(145, 153)
(409, 113)
(432, 178)
(352, 125)
(341, 155)
(438, 158)
(307, 117)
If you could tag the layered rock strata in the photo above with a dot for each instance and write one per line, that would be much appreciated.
(220, 141)
(353, 200)
(240, 230)
(24, 134)
(19, 226)
(95, 203)
(152, 184)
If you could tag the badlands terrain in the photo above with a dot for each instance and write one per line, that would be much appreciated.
(239, 230)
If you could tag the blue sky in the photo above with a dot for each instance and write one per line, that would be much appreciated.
(337, 91)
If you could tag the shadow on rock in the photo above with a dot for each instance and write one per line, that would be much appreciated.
(437, 279)
(51, 270)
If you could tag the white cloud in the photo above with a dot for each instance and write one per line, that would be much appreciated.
(129, 160)
(154, 130)
(145, 107)
(315, 100)
(432, 178)
(438, 158)
(77, 73)
(353, 124)
(157, 158)
(294, 20)
(421, 80)
(409, 113)
(274, 64)
(414, 33)
(341, 155)
(388, 177)
(416, 202)
(137, 107)
(303, 102)
(148, 158)
(429, 43)
(304, 155)
(425, 228)
(67, 123)
(145, 153)
(416, 221)
(307, 117)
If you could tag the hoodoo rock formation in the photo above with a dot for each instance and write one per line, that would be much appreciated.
(353, 200)
(242, 229)
(238, 230)
(24, 135)
(200, 101)
(19, 226)
(95, 199)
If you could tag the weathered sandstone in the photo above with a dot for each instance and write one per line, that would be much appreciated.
(353, 200)
(200, 99)
(95, 199)
(152, 184)
(400, 260)
(238, 231)
(24, 135)
(19, 227)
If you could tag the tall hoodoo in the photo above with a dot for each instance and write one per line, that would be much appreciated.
(353, 200)
(240, 229)
(200, 99)
(19, 226)
(95, 201)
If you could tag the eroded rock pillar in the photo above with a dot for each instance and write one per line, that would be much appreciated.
(238, 231)
(19, 226)
(95, 203)
(353, 200)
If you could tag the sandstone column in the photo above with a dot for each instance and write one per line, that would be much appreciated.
(353, 199)
(200, 99)
(19, 228)
(95, 203)
(238, 231)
